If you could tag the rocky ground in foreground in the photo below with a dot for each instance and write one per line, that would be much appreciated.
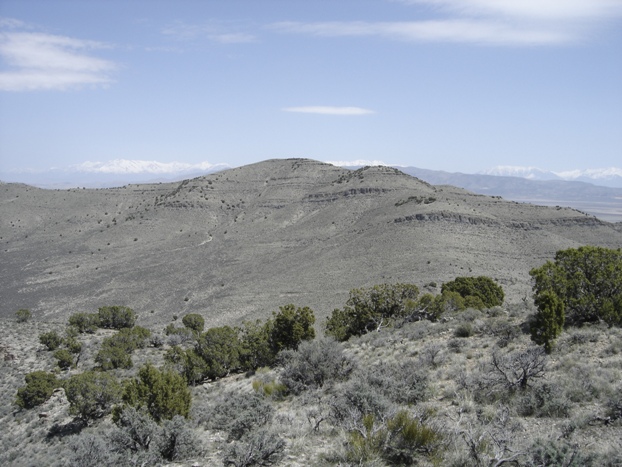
(440, 374)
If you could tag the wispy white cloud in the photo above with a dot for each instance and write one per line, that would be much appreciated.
(328, 110)
(533, 9)
(356, 163)
(485, 22)
(38, 61)
(471, 31)
(217, 32)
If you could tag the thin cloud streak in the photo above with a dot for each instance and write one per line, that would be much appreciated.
(327, 110)
(215, 32)
(470, 31)
(40, 61)
(529, 9)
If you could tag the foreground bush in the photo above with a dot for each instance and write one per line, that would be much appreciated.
(90, 450)
(399, 441)
(23, 315)
(187, 363)
(238, 414)
(262, 447)
(314, 364)
(194, 321)
(116, 317)
(84, 322)
(51, 340)
(586, 280)
(220, 349)
(163, 394)
(116, 350)
(92, 394)
(290, 326)
(478, 292)
(39, 388)
(136, 439)
(548, 322)
(64, 358)
(371, 309)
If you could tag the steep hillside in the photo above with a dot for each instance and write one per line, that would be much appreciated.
(237, 244)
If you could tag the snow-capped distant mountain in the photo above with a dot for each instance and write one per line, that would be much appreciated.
(125, 166)
(116, 172)
(530, 173)
(611, 177)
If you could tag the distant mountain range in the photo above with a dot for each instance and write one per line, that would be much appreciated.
(123, 171)
(601, 201)
(611, 176)
(236, 244)
(114, 173)
(595, 191)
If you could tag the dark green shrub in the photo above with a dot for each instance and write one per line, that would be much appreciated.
(116, 317)
(220, 348)
(194, 321)
(116, 350)
(187, 363)
(448, 301)
(51, 340)
(587, 280)
(290, 326)
(84, 322)
(314, 364)
(548, 322)
(479, 292)
(92, 394)
(464, 330)
(164, 394)
(73, 345)
(255, 343)
(64, 359)
(23, 315)
(111, 357)
(371, 309)
(39, 388)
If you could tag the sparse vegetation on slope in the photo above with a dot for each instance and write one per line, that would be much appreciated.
(449, 376)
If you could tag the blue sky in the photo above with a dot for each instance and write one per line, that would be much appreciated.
(456, 85)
